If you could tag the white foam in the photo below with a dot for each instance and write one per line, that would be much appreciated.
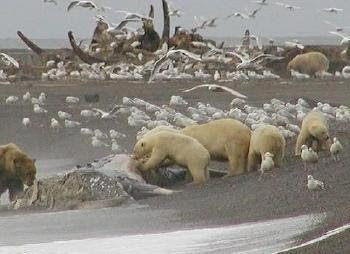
(260, 237)
(319, 239)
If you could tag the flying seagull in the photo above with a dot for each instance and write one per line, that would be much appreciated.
(332, 10)
(50, 1)
(84, 4)
(345, 40)
(288, 6)
(261, 2)
(172, 53)
(213, 87)
(254, 62)
(108, 115)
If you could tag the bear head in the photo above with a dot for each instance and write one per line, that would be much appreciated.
(320, 132)
(141, 149)
(25, 169)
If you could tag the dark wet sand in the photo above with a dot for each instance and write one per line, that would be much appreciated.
(220, 201)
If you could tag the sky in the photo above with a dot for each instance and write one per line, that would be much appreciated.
(41, 20)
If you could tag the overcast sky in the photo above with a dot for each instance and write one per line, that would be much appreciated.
(43, 20)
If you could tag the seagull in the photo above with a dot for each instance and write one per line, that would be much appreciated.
(42, 98)
(262, 2)
(253, 13)
(172, 53)
(116, 135)
(117, 29)
(95, 142)
(345, 40)
(87, 113)
(247, 62)
(174, 12)
(85, 4)
(115, 147)
(332, 10)
(39, 110)
(211, 22)
(335, 149)
(86, 132)
(71, 124)
(134, 15)
(55, 124)
(64, 115)
(99, 134)
(213, 87)
(11, 99)
(238, 15)
(267, 163)
(72, 100)
(337, 28)
(308, 155)
(26, 96)
(314, 185)
(107, 115)
(288, 7)
(293, 44)
(26, 121)
(8, 60)
(50, 1)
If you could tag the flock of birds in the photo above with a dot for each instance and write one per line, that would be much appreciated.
(144, 116)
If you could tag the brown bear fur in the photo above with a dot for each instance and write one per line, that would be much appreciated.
(225, 139)
(314, 133)
(266, 138)
(16, 169)
(181, 149)
(309, 63)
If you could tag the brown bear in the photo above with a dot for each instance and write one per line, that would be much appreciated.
(225, 139)
(153, 149)
(266, 138)
(16, 169)
(314, 133)
(309, 63)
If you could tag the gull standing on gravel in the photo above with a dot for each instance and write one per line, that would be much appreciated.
(26, 121)
(95, 142)
(314, 185)
(71, 124)
(116, 148)
(86, 132)
(72, 100)
(267, 163)
(11, 99)
(39, 110)
(26, 97)
(177, 101)
(116, 135)
(55, 124)
(213, 87)
(308, 155)
(64, 115)
(99, 134)
(88, 113)
(42, 98)
(335, 149)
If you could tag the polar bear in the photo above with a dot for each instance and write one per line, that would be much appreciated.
(314, 133)
(266, 138)
(183, 150)
(225, 139)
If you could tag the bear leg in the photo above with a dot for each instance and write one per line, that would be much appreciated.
(236, 159)
(301, 140)
(15, 187)
(199, 174)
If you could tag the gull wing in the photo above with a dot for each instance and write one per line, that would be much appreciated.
(10, 59)
(72, 4)
(227, 89)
